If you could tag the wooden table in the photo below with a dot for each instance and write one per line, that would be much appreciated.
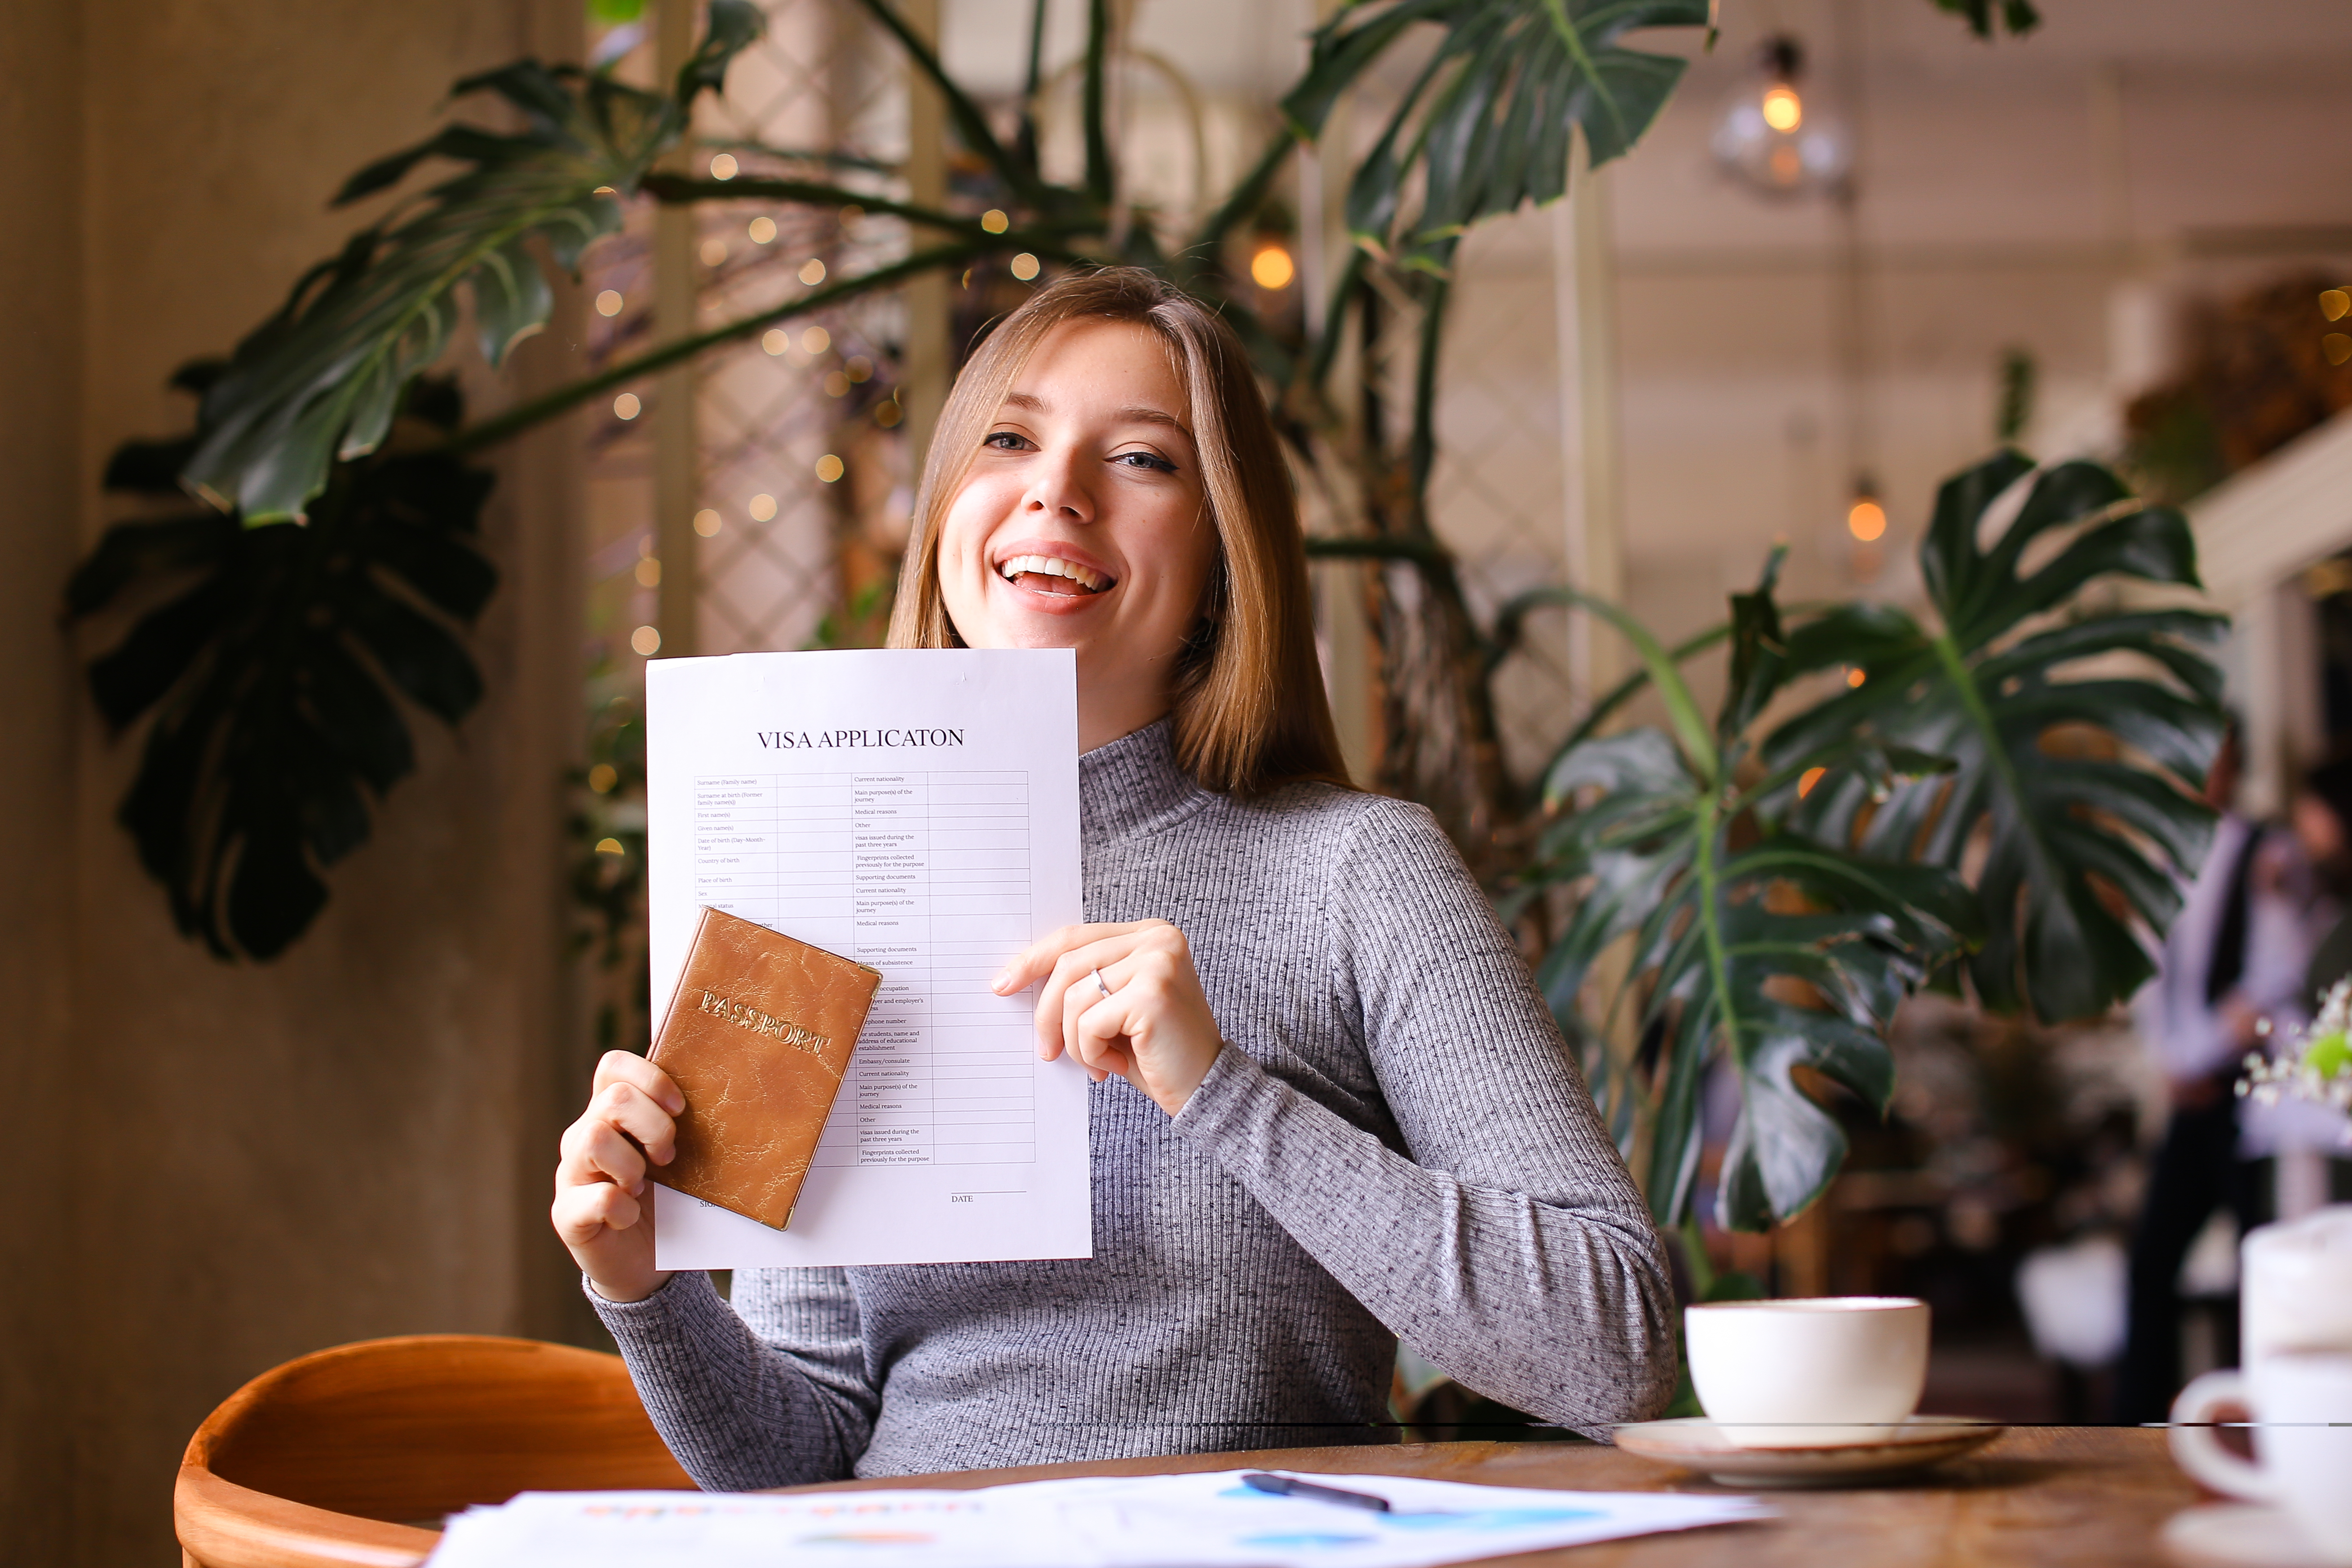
(2040, 1495)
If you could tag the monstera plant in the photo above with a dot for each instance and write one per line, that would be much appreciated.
(1990, 797)
(1775, 949)
(2078, 794)
(263, 655)
(319, 381)
(330, 574)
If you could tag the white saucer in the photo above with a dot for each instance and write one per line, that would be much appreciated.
(2238, 1535)
(1693, 1443)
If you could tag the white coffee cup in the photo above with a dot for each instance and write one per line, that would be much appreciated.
(1809, 1372)
(2295, 1286)
(2302, 1405)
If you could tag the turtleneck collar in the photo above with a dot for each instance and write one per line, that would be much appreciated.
(1132, 786)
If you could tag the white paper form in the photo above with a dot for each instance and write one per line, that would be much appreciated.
(1208, 1520)
(917, 812)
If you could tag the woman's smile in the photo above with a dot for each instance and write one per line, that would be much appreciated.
(1051, 569)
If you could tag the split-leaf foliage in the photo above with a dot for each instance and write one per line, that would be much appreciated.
(321, 378)
(274, 662)
(2008, 798)
(1986, 18)
(1488, 121)
(2076, 775)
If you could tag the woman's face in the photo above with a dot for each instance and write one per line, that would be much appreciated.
(1083, 524)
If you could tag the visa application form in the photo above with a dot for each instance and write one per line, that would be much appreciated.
(916, 811)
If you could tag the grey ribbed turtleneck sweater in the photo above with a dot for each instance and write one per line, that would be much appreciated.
(1392, 1142)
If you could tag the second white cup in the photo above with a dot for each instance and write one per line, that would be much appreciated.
(2297, 1285)
(1812, 1373)
(2301, 1405)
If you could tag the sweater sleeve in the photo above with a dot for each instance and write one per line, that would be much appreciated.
(1508, 1244)
(770, 1392)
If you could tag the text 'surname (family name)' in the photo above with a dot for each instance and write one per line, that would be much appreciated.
(824, 739)
(767, 1023)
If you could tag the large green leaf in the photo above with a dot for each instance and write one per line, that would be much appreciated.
(2080, 733)
(2018, 16)
(273, 664)
(1487, 123)
(964, 111)
(1747, 942)
(321, 379)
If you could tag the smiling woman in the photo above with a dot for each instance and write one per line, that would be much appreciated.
(1081, 522)
(1328, 1108)
(1105, 478)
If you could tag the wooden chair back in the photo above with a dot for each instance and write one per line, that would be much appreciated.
(352, 1455)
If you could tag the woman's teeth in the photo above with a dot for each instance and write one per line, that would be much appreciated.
(1013, 568)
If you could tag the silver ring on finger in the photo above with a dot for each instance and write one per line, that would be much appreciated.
(1102, 985)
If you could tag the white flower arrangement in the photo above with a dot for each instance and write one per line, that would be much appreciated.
(2315, 1065)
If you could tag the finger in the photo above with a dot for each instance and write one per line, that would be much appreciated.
(627, 1066)
(1088, 976)
(1082, 950)
(1053, 998)
(1121, 944)
(1084, 992)
(1072, 988)
(583, 1215)
(627, 1108)
(1079, 963)
(595, 1151)
(1039, 957)
(591, 1165)
(1104, 1037)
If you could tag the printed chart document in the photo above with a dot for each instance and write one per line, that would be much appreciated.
(1209, 1521)
(917, 812)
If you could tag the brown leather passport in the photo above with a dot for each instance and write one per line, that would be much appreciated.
(757, 1038)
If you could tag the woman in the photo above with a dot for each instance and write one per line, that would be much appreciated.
(1328, 1107)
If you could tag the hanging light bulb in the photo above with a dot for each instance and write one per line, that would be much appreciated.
(1774, 136)
(1864, 518)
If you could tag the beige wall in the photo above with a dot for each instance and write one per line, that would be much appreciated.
(230, 1166)
(40, 379)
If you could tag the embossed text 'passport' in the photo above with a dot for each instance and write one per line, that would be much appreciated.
(758, 1036)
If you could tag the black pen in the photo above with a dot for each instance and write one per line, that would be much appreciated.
(1283, 1486)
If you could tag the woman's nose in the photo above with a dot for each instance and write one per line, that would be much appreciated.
(1055, 489)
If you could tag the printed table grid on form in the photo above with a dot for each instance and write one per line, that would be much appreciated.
(925, 876)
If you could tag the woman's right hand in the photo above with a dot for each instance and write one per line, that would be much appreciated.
(600, 1182)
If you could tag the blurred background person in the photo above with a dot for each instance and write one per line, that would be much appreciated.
(2322, 827)
(2233, 962)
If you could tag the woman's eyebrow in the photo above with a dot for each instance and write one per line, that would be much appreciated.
(1140, 414)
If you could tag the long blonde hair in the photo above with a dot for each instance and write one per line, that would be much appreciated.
(1249, 710)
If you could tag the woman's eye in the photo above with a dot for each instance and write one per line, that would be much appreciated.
(1004, 440)
(1151, 460)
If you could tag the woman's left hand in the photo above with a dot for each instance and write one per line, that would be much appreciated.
(1154, 1028)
